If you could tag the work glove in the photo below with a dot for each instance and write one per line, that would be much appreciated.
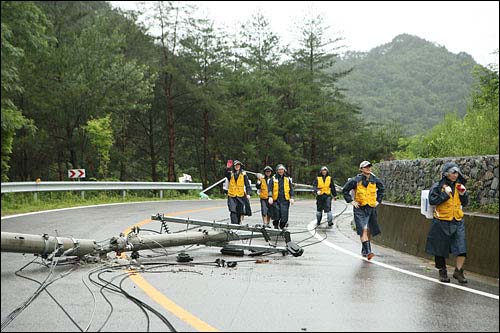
(376, 203)
(248, 196)
(229, 163)
(270, 200)
(318, 192)
(258, 182)
(292, 201)
(355, 204)
(447, 189)
(461, 189)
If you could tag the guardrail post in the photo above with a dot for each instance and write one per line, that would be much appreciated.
(35, 195)
(83, 195)
(123, 194)
(161, 194)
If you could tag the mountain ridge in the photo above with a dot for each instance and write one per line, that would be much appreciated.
(409, 80)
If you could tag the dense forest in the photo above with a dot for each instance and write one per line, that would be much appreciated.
(87, 86)
(474, 134)
(409, 80)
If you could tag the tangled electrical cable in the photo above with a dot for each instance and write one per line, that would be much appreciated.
(315, 230)
(115, 284)
(109, 286)
(42, 287)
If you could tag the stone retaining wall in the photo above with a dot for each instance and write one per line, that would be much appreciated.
(404, 179)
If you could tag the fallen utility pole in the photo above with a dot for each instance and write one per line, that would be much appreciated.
(54, 246)
(44, 245)
(50, 246)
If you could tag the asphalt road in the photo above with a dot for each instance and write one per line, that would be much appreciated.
(329, 288)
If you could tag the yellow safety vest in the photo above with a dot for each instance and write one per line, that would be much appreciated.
(450, 209)
(237, 188)
(324, 187)
(286, 188)
(264, 193)
(366, 195)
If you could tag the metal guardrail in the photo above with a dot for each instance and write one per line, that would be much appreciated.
(13, 187)
(305, 188)
(35, 187)
(296, 188)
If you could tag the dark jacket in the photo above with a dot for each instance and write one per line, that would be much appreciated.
(231, 171)
(437, 197)
(265, 179)
(352, 183)
(332, 183)
(281, 187)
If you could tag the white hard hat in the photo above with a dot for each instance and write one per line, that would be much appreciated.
(280, 166)
(364, 164)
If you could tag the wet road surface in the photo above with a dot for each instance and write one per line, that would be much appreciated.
(329, 288)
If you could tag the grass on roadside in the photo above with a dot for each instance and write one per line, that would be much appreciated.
(18, 203)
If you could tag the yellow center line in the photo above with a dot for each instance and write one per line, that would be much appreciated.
(161, 299)
(166, 303)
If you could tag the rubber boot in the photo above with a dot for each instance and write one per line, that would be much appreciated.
(329, 217)
(369, 253)
(459, 275)
(235, 219)
(443, 275)
(319, 216)
(364, 250)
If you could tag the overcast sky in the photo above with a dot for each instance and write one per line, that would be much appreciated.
(461, 26)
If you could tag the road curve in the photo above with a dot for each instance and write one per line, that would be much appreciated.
(329, 288)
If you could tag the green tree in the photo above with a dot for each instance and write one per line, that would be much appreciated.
(89, 77)
(170, 17)
(257, 82)
(202, 64)
(474, 134)
(100, 134)
(327, 112)
(409, 80)
(23, 32)
(128, 121)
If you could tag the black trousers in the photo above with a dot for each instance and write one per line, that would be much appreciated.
(238, 206)
(280, 213)
(324, 203)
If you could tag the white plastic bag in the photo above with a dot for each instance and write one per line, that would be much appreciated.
(426, 209)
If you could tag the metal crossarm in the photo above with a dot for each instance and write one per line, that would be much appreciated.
(217, 225)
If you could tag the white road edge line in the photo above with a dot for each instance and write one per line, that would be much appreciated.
(312, 225)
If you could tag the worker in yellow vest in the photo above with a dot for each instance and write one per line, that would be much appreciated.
(324, 189)
(447, 232)
(262, 189)
(280, 192)
(239, 191)
(368, 193)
